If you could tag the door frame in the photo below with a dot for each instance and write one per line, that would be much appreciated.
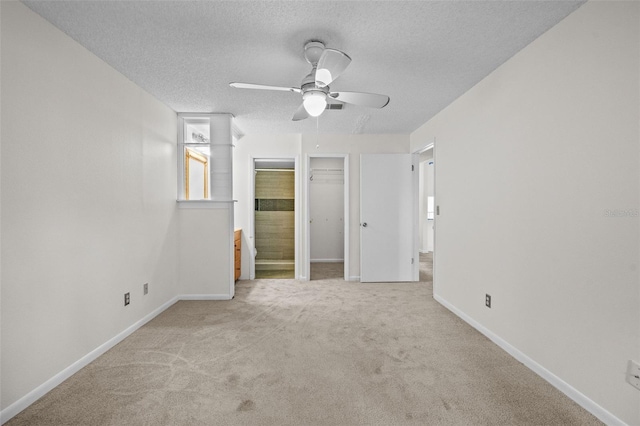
(252, 216)
(428, 146)
(305, 216)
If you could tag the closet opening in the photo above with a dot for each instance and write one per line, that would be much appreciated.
(327, 208)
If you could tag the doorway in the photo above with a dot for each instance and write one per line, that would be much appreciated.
(327, 217)
(426, 200)
(274, 218)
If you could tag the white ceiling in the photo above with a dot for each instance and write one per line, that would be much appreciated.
(423, 54)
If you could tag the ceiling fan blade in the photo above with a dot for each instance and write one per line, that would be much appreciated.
(371, 100)
(264, 87)
(300, 114)
(330, 65)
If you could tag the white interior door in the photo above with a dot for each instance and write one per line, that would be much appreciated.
(386, 217)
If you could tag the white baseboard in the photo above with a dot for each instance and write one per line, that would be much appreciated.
(204, 297)
(327, 260)
(354, 278)
(40, 391)
(582, 400)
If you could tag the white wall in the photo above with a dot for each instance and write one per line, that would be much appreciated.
(537, 152)
(88, 202)
(326, 209)
(204, 251)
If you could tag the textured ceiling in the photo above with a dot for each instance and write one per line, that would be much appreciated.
(422, 54)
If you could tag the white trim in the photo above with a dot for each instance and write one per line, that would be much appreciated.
(31, 397)
(415, 182)
(578, 397)
(204, 114)
(180, 159)
(232, 254)
(426, 148)
(235, 130)
(252, 215)
(232, 227)
(205, 297)
(346, 218)
(354, 278)
(204, 204)
(434, 269)
(327, 260)
(251, 236)
(305, 220)
(297, 234)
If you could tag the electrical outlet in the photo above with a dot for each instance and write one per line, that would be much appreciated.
(487, 300)
(145, 288)
(127, 299)
(633, 374)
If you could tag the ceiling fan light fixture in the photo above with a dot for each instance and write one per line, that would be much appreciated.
(314, 102)
(323, 76)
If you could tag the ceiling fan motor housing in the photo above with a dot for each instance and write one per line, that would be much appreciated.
(312, 51)
(309, 84)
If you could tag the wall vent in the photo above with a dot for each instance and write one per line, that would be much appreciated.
(335, 106)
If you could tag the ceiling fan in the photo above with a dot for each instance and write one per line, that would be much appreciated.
(327, 65)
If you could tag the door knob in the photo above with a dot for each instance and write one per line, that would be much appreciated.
(364, 225)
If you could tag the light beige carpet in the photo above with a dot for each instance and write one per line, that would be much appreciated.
(324, 352)
(426, 268)
(325, 271)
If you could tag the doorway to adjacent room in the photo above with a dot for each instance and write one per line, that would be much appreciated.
(274, 218)
(427, 213)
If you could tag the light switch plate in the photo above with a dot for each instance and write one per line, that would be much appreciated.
(633, 374)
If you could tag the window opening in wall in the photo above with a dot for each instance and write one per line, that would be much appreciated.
(430, 207)
(195, 160)
(196, 175)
